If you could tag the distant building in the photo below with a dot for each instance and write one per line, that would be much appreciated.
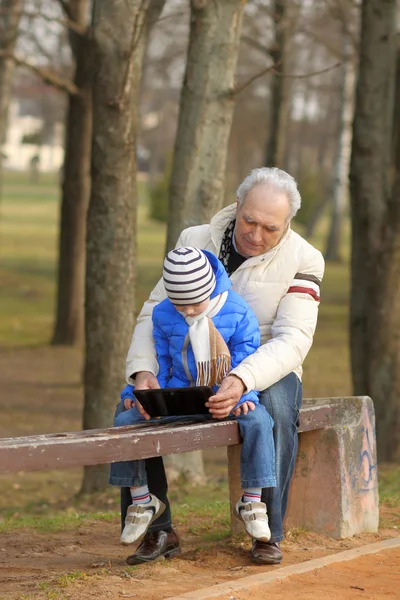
(26, 143)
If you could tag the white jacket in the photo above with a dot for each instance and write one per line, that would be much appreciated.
(281, 286)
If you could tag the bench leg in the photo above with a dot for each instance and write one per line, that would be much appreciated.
(335, 486)
(235, 486)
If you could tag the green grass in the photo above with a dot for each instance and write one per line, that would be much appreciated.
(71, 577)
(209, 504)
(29, 215)
(389, 485)
(66, 521)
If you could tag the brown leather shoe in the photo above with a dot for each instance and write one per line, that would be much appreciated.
(159, 543)
(266, 553)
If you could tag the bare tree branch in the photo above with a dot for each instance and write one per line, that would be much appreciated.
(30, 35)
(242, 86)
(46, 75)
(69, 23)
(137, 32)
(256, 44)
(272, 69)
(305, 75)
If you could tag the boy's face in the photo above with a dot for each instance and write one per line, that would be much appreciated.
(192, 310)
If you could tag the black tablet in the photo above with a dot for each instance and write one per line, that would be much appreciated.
(168, 402)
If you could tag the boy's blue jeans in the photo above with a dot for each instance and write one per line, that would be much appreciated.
(257, 461)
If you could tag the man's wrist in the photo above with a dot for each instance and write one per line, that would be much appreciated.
(134, 376)
(239, 378)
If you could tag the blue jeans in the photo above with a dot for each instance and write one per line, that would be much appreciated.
(283, 402)
(257, 459)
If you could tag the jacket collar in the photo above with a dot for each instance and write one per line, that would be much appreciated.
(221, 221)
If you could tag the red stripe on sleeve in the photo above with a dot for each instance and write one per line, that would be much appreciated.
(303, 290)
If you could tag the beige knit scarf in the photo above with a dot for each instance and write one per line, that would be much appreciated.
(210, 351)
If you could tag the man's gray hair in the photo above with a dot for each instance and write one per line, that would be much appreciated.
(275, 178)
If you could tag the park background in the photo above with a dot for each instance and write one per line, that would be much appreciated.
(293, 106)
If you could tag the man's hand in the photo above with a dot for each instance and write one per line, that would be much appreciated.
(144, 380)
(244, 408)
(231, 390)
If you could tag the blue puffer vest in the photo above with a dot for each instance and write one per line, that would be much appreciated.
(236, 322)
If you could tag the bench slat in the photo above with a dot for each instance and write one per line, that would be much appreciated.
(111, 445)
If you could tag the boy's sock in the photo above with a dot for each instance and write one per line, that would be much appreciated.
(252, 495)
(140, 495)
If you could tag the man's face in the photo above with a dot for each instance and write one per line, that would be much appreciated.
(261, 220)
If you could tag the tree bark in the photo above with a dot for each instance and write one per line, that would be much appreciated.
(342, 158)
(396, 118)
(190, 465)
(206, 109)
(9, 21)
(119, 36)
(274, 155)
(375, 207)
(69, 321)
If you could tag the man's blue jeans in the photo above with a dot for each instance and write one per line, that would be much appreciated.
(257, 461)
(283, 402)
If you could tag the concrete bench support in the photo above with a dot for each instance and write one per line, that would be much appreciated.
(335, 486)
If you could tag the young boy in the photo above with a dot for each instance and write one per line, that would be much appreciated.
(202, 330)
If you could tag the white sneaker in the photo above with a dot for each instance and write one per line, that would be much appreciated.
(255, 519)
(139, 518)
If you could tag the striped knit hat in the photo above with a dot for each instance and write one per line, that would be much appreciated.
(188, 276)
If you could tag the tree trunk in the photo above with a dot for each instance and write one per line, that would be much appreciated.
(188, 464)
(375, 294)
(275, 150)
(10, 14)
(119, 35)
(323, 146)
(205, 117)
(396, 118)
(69, 322)
(342, 158)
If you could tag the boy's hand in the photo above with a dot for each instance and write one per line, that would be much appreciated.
(231, 390)
(244, 408)
(128, 403)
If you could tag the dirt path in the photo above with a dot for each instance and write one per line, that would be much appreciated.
(89, 562)
(370, 577)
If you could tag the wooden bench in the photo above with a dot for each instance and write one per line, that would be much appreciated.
(334, 488)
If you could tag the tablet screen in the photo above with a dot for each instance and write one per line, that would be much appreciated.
(167, 402)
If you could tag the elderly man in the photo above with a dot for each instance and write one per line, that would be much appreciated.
(279, 274)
